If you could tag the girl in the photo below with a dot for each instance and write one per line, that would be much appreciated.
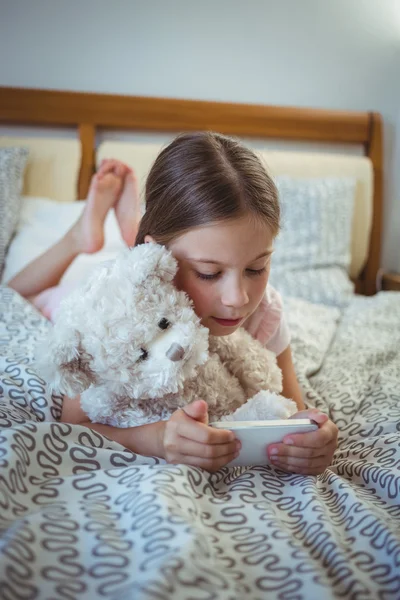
(209, 199)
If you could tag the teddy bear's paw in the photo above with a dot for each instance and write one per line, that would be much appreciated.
(269, 405)
(264, 406)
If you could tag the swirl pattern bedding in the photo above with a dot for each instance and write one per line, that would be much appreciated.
(82, 517)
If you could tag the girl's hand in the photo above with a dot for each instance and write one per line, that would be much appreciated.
(188, 439)
(306, 453)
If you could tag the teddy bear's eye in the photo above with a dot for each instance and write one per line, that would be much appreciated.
(164, 324)
(144, 354)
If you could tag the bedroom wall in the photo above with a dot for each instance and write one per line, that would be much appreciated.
(342, 54)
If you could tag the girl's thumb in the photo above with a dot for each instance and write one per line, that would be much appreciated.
(197, 410)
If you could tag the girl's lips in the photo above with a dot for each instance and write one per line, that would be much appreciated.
(227, 322)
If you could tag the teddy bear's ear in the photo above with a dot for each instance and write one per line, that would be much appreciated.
(64, 364)
(149, 260)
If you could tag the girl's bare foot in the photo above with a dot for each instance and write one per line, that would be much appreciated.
(127, 209)
(105, 188)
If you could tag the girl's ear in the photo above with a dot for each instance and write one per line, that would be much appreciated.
(148, 239)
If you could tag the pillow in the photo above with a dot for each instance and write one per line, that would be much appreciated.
(312, 251)
(42, 223)
(12, 165)
(322, 285)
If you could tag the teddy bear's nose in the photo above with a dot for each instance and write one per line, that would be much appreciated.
(175, 352)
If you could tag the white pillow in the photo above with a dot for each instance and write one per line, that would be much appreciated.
(42, 223)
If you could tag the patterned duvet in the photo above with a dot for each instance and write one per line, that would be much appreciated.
(81, 517)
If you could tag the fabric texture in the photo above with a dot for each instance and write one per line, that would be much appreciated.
(12, 166)
(82, 517)
(312, 251)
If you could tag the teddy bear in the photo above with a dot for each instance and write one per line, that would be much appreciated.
(132, 345)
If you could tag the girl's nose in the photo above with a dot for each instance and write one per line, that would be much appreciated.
(235, 295)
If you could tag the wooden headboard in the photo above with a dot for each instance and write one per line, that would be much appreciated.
(91, 113)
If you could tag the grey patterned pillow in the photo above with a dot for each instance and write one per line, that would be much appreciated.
(317, 217)
(312, 251)
(322, 285)
(12, 165)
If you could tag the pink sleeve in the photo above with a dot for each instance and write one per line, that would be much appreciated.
(268, 324)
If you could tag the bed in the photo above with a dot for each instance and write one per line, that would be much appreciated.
(81, 516)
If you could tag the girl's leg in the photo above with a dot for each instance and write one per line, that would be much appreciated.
(127, 209)
(86, 235)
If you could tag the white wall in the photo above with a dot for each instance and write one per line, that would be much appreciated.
(322, 53)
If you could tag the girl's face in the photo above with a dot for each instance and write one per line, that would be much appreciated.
(224, 269)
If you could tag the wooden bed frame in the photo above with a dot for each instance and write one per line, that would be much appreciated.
(90, 113)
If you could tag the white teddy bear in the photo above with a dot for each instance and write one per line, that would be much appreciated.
(131, 344)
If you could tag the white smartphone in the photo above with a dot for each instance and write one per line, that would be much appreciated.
(257, 435)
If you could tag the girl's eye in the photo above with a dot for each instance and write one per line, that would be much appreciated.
(251, 272)
(164, 324)
(256, 271)
(144, 354)
(207, 277)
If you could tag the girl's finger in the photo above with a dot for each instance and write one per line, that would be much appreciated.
(293, 462)
(315, 439)
(209, 464)
(190, 448)
(284, 450)
(311, 413)
(187, 427)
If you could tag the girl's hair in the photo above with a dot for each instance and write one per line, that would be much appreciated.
(202, 178)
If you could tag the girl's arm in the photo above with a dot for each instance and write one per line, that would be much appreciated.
(144, 439)
(291, 388)
(185, 438)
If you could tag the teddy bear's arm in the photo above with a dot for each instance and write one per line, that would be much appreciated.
(102, 406)
(254, 366)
